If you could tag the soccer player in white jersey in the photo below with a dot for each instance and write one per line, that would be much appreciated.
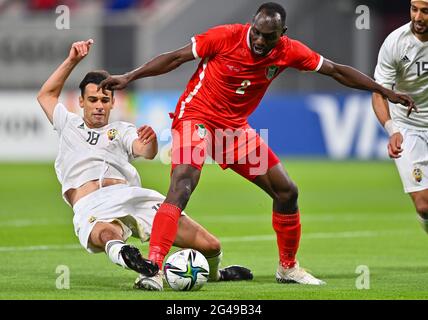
(403, 65)
(103, 188)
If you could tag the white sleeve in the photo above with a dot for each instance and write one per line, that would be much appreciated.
(386, 69)
(128, 137)
(60, 117)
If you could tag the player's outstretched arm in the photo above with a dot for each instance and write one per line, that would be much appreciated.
(146, 145)
(162, 64)
(353, 78)
(49, 93)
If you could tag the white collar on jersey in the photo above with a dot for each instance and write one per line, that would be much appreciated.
(249, 44)
(248, 38)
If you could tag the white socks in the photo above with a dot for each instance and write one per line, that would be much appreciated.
(424, 223)
(214, 264)
(113, 252)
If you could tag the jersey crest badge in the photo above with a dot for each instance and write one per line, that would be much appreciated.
(92, 219)
(417, 174)
(111, 134)
(202, 131)
(271, 72)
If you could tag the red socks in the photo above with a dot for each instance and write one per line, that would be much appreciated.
(165, 226)
(288, 231)
(164, 231)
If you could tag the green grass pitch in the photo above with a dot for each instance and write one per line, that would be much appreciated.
(353, 213)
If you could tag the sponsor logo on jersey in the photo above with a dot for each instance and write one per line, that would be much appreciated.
(405, 59)
(417, 174)
(202, 131)
(111, 134)
(82, 126)
(271, 72)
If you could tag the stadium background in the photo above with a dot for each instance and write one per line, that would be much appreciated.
(333, 147)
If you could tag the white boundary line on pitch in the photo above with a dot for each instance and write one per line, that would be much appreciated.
(319, 235)
(258, 217)
(23, 223)
(271, 237)
(41, 248)
(309, 217)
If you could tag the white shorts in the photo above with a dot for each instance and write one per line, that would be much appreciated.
(134, 208)
(413, 164)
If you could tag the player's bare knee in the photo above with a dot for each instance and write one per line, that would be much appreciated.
(211, 247)
(214, 246)
(287, 196)
(183, 182)
(108, 234)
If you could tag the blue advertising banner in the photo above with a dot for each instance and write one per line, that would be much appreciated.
(322, 125)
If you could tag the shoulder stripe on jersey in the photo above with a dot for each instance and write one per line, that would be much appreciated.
(195, 53)
(319, 64)
(195, 91)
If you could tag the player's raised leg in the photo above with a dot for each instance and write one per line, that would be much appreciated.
(420, 199)
(109, 237)
(286, 223)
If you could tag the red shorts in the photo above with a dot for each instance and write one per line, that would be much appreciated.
(241, 150)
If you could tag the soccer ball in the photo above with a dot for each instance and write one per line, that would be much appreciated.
(186, 270)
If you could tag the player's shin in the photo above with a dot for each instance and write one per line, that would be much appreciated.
(288, 231)
(214, 264)
(164, 231)
(112, 249)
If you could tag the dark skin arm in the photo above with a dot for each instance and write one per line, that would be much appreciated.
(162, 64)
(353, 78)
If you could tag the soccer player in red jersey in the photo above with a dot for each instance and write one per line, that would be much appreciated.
(238, 63)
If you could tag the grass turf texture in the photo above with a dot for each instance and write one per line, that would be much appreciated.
(353, 213)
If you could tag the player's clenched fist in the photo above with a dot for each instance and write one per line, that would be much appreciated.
(146, 134)
(80, 50)
(394, 146)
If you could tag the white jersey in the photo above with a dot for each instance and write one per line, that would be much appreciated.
(403, 66)
(93, 154)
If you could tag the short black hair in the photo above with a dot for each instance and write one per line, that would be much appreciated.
(273, 8)
(95, 77)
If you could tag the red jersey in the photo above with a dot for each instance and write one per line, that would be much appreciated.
(230, 80)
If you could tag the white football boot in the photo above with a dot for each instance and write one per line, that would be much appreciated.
(154, 283)
(296, 275)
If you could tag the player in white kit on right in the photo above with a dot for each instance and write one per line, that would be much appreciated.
(403, 65)
(104, 189)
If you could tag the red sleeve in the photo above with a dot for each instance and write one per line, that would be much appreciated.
(303, 58)
(212, 42)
